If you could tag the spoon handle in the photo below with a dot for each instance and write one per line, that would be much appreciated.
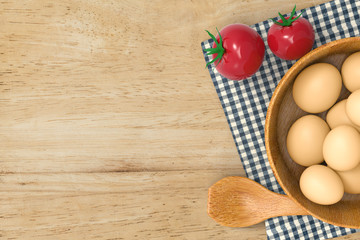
(241, 202)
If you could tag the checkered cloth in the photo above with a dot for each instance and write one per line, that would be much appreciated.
(245, 105)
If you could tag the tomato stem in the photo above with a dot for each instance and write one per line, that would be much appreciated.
(287, 22)
(219, 49)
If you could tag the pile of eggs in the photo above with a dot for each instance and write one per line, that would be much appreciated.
(311, 140)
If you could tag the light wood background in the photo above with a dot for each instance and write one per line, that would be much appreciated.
(110, 125)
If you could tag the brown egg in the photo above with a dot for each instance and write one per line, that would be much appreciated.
(321, 185)
(351, 180)
(341, 148)
(353, 107)
(305, 140)
(317, 87)
(350, 72)
(337, 116)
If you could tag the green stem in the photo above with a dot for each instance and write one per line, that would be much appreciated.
(287, 22)
(219, 49)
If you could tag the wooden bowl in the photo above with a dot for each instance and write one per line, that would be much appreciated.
(283, 112)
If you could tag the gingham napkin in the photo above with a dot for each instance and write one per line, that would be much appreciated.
(245, 104)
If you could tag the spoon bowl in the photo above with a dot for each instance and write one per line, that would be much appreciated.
(241, 202)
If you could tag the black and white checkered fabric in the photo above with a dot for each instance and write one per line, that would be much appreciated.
(245, 105)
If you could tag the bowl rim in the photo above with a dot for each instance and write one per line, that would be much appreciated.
(271, 106)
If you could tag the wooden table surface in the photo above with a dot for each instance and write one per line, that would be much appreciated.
(110, 125)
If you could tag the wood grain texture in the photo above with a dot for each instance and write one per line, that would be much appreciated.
(137, 205)
(107, 113)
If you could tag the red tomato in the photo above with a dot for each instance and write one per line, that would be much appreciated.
(240, 52)
(293, 41)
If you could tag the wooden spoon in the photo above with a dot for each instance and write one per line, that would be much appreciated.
(241, 202)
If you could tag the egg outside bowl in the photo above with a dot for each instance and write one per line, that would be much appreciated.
(283, 112)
